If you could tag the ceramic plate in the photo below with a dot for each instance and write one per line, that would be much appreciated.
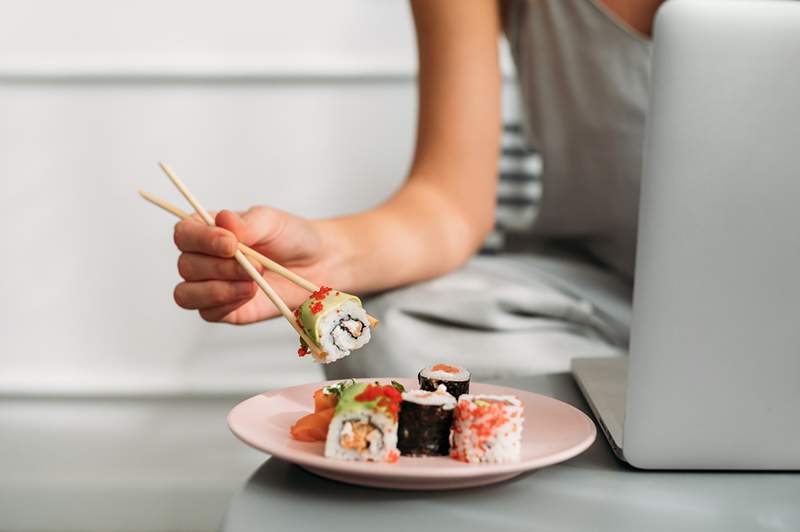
(553, 432)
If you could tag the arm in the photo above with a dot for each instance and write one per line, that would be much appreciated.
(432, 225)
(446, 208)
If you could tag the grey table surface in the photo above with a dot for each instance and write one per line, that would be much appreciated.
(143, 464)
(593, 491)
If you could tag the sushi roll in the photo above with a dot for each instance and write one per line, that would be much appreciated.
(455, 378)
(364, 424)
(425, 421)
(487, 429)
(335, 321)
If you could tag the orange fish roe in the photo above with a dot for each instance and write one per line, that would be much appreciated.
(491, 417)
(481, 424)
(445, 367)
(316, 308)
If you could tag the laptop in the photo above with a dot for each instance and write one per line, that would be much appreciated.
(712, 380)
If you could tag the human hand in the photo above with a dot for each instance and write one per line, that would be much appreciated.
(219, 288)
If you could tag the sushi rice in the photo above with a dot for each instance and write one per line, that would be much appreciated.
(454, 378)
(487, 429)
(364, 426)
(343, 330)
(335, 321)
(361, 436)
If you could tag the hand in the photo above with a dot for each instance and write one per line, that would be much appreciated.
(219, 288)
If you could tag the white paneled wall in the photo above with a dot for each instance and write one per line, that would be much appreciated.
(308, 106)
(190, 36)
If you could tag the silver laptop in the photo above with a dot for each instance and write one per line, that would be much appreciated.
(713, 376)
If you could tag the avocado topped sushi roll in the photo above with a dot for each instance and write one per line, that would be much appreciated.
(364, 425)
(455, 378)
(425, 420)
(335, 321)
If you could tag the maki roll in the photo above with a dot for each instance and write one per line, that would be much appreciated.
(455, 378)
(487, 429)
(335, 321)
(364, 424)
(425, 420)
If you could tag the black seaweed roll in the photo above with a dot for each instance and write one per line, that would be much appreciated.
(425, 421)
(455, 378)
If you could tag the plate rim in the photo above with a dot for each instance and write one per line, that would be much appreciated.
(382, 470)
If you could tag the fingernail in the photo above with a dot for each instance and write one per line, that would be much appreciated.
(223, 245)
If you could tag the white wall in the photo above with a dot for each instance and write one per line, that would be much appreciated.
(291, 104)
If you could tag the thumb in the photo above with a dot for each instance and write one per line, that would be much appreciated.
(253, 226)
(232, 222)
(273, 232)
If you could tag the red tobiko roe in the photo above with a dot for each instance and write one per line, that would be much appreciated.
(387, 396)
(322, 293)
(303, 351)
(316, 308)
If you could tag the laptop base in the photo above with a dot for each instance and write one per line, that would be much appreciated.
(603, 383)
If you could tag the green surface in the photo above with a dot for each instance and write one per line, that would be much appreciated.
(309, 319)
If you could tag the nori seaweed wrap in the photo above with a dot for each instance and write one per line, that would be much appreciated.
(454, 378)
(425, 421)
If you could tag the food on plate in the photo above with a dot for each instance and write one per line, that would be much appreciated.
(487, 429)
(377, 422)
(455, 378)
(425, 421)
(364, 425)
(314, 426)
(335, 321)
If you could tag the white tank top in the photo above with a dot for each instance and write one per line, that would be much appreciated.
(584, 81)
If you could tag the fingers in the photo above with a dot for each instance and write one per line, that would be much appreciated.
(209, 294)
(198, 267)
(216, 314)
(193, 237)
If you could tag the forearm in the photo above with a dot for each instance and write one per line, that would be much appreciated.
(419, 233)
(446, 208)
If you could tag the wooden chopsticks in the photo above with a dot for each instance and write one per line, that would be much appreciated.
(242, 260)
(266, 262)
(243, 250)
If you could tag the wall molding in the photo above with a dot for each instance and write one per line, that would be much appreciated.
(211, 71)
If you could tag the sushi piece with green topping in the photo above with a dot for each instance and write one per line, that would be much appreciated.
(335, 321)
(364, 425)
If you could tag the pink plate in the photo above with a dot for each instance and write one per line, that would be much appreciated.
(553, 432)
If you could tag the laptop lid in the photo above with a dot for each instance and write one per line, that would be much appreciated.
(714, 373)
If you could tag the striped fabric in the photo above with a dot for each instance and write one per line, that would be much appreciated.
(519, 189)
